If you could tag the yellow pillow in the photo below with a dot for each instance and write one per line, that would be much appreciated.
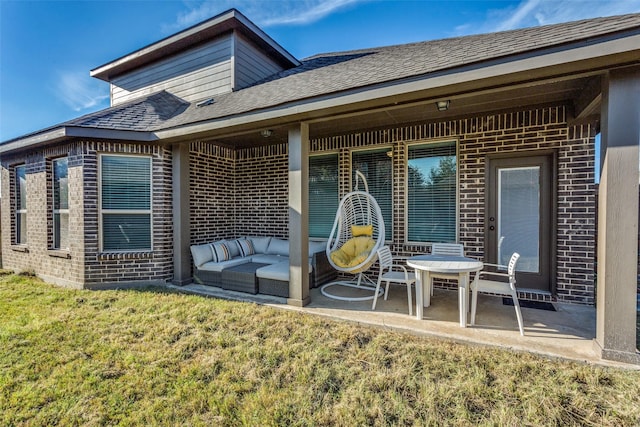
(353, 252)
(362, 230)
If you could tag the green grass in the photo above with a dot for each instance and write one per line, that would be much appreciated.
(157, 358)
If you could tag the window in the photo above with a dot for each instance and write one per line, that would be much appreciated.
(432, 192)
(323, 194)
(60, 204)
(125, 202)
(20, 204)
(376, 167)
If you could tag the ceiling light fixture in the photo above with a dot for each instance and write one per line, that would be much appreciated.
(443, 105)
(266, 133)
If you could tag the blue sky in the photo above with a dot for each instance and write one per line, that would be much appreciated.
(48, 47)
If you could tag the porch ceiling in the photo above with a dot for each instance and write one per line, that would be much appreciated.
(568, 91)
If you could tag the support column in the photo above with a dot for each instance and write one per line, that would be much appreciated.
(618, 217)
(181, 215)
(299, 216)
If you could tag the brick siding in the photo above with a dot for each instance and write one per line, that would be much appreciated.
(531, 130)
(212, 196)
(83, 265)
(236, 192)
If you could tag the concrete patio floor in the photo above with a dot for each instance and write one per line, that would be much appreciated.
(566, 333)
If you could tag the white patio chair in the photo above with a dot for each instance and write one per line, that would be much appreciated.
(497, 288)
(445, 249)
(387, 274)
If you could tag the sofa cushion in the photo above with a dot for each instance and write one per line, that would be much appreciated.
(315, 247)
(220, 252)
(279, 271)
(201, 254)
(278, 247)
(219, 266)
(260, 244)
(268, 258)
(245, 247)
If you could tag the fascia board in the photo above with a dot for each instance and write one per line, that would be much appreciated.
(532, 65)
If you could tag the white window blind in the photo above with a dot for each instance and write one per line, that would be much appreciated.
(377, 169)
(60, 204)
(126, 202)
(431, 192)
(323, 194)
(21, 204)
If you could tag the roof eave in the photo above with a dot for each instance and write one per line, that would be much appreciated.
(580, 57)
(67, 132)
(591, 56)
(207, 30)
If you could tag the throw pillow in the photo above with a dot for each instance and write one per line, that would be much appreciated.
(362, 230)
(245, 247)
(220, 252)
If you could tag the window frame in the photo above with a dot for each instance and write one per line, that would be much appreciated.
(423, 142)
(58, 211)
(102, 212)
(17, 232)
(338, 198)
(381, 147)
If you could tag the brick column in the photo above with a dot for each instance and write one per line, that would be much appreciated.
(618, 217)
(299, 216)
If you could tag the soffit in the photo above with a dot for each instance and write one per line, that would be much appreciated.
(560, 92)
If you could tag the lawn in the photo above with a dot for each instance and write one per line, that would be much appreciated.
(152, 357)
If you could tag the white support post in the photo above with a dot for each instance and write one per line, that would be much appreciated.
(299, 216)
(618, 217)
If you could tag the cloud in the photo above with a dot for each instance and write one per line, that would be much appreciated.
(264, 14)
(530, 13)
(79, 91)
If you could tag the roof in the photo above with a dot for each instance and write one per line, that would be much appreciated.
(207, 30)
(333, 74)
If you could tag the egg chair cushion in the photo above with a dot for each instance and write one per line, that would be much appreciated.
(354, 251)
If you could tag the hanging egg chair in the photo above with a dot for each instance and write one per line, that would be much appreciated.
(357, 233)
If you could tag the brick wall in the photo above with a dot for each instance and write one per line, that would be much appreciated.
(61, 267)
(244, 192)
(261, 202)
(212, 192)
(110, 268)
(83, 264)
(539, 129)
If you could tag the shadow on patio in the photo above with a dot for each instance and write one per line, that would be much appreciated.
(566, 333)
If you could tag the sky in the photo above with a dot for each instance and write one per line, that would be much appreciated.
(47, 48)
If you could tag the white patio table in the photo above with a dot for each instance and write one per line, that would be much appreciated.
(427, 264)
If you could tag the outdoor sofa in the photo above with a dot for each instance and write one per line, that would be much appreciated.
(255, 265)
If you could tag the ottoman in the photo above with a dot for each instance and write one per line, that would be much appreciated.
(241, 278)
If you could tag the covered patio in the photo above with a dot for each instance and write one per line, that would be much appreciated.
(586, 103)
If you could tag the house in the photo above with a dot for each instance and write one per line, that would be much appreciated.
(218, 132)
